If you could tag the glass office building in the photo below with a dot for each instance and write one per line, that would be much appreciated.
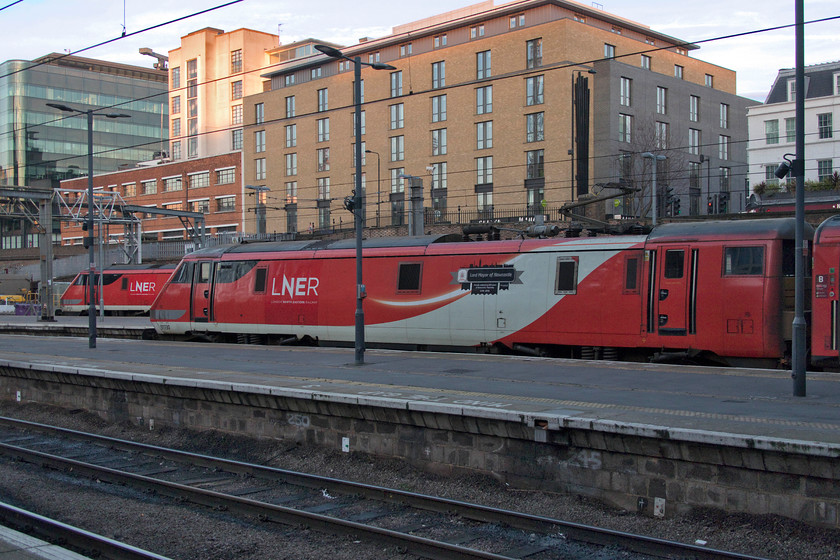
(40, 145)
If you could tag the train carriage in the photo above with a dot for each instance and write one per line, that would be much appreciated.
(825, 319)
(126, 289)
(715, 290)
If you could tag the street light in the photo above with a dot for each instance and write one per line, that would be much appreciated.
(259, 210)
(89, 241)
(357, 201)
(656, 159)
(378, 184)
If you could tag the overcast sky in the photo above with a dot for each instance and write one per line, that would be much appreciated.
(32, 28)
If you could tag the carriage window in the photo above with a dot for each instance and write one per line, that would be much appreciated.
(203, 272)
(228, 272)
(674, 263)
(566, 280)
(631, 275)
(409, 279)
(81, 280)
(743, 261)
(184, 274)
(110, 278)
(259, 280)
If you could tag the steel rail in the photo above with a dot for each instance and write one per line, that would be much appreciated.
(576, 531)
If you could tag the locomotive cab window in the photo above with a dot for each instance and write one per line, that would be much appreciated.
(674, 263)
(566, 280)
(743, 261)
(259, 280)
(409, 278)
(184, 274)
(631, 274)
(203, 272)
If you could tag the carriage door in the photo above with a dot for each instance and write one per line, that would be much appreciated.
(673, 291)
(201, 311)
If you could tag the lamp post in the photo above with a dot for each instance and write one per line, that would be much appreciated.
(378, 184)
(89, 239)
(358, 199)
(259, 210)
(656, 159)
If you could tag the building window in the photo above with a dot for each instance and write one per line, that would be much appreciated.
(824, 125)
(439, 108)
(323, 159)
(291, 192)
(175, 79)
(323, 129)
(484, 202)
(259, 166)
(373, 57)
(396, 84)
(192, 146)
(259, 113)
(724, 115)
(645, 62)
(323, 184)
(202, 206)
(790, 129)
(235, 139)
(315, 73)
(171, 184)
(176, 128)
(199, 180)
(289, 80)
(693, 108)
(484, 100)
(482, 65)
(291, 135)
(517, 21)
(771, 131)
(534, 127)
(477, 31)
(129, 189)
(259, 141)
(323, 217)
(397, 182)
(439, 175)
(323, 100)
(440, 41)
(149, 187)
(484, 135)
(192, 78)
(353, 121)
(770, 174)
(624, 96)
(439, 142)
(661, 135)
(176, 104)
(226, 204)
(291, 165)
(534, 90)
(438, 74)
(236, 90)
(176, 150)
(226, 176)
(290, 106)
(533, 53)
(723, 147)
(236, 114)
(693, 141)
(710, 80)
(678, 71)
(661, 100)
(609, 50)
(824, 169)
(397, 148)
(484, 170)
(625, 123)
(405, 50)
(535, 164)
(725, 174)
(397, 116)
(236, 61)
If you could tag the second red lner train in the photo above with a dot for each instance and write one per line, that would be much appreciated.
(127, 289)
(720, 291)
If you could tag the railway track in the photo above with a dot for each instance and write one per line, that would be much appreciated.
(86, 543)
(425, 526)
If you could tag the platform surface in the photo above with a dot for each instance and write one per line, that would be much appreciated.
(709, 404)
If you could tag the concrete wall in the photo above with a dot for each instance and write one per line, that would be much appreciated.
(635, 468)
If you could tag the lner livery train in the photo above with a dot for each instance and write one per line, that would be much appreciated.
(718, 290)
(126, 289)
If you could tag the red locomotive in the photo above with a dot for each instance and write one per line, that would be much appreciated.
(126, 289)
(720, 291)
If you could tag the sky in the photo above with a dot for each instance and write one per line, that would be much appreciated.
(33, 28)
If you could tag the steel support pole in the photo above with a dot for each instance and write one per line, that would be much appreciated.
(798, 349)
(90, 238)
(357, 213)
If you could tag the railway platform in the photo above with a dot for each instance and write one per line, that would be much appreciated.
(648, 437)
